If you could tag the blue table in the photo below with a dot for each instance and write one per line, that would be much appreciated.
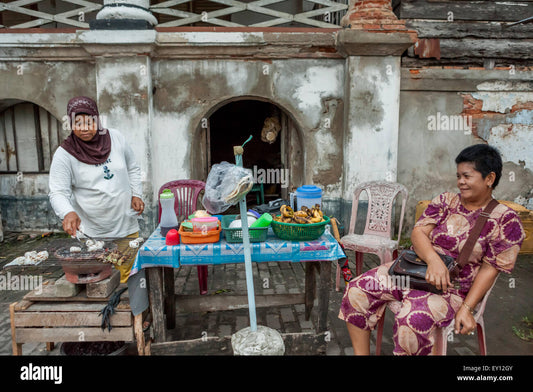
(155, 253)
(159, 259)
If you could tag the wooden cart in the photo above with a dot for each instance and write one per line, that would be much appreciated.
(50, 320)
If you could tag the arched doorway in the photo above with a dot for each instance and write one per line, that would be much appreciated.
(275, 153)
(29, 137)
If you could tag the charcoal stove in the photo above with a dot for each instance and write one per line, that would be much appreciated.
(83, 267)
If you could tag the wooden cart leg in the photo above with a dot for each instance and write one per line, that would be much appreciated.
(49, 346)
(155, 284)
(138, 332)
(170, 303)
(324, 284)
(310, 288)
(17, 347)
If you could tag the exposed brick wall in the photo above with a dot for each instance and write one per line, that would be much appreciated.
(375, 16)
(474, 107)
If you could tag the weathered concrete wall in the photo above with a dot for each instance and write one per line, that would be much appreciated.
(344, 111)
(24, 204)
(426, 157)
(436, 123)
(166, 134)
(309, 91)
(49, 84)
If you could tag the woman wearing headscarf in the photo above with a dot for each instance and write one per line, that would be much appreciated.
(94, 179)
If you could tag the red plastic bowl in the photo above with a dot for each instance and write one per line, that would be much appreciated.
(172, 238)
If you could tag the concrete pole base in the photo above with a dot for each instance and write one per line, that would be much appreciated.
(264, 341)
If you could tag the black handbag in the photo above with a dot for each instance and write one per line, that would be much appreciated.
(411, 269)
(408, 267)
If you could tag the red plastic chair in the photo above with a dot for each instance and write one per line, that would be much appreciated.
(376, 238)
(186, 193)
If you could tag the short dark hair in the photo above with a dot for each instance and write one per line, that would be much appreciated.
(486, 159)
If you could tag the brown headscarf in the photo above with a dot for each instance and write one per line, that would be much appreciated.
(96, 150)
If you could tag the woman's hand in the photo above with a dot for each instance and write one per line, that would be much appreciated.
(137, 204)
(71, 222)
(464, 321)
(438, 275)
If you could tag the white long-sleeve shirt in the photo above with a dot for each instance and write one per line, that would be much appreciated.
(100, 194)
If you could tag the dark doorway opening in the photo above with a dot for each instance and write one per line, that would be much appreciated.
(232, 124)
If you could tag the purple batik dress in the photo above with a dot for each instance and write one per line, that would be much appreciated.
(420, 312)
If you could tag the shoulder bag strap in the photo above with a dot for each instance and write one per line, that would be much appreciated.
(474, 234)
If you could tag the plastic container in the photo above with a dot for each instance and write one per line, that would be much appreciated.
(188, 237)
(172, 237)
(253, 213)
(263, 221)
(204, 224)
(306, 195)
(186, 225)
(234, 234)
(237, 222)
(168, 219)
(199, 214)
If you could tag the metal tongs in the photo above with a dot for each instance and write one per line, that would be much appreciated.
(79, 233)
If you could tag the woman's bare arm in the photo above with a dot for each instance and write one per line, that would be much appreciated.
(464, 321)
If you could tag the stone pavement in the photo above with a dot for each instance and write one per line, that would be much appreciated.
(509, 303)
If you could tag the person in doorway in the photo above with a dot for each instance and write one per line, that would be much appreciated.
(94, 181)
(442, 228)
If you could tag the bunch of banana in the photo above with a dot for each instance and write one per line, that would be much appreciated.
(305, 215)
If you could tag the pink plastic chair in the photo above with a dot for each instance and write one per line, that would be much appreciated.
(376, 238)
(186, 193)
(441, 334)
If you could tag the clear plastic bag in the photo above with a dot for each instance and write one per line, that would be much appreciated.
(226, 184)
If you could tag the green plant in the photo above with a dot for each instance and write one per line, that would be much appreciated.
(526, 332)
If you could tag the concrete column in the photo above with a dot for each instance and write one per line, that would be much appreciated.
(371, 123)
(124, 95)
(124, 14)
(373, 41)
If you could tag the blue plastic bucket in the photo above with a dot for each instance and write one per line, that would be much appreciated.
(308, 195)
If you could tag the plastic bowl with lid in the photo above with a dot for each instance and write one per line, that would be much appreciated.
(204, 223)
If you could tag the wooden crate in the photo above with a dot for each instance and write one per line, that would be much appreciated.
(71, 321)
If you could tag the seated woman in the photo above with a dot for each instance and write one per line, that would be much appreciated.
(443, 228)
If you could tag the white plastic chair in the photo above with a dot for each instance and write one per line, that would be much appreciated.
(376, 238)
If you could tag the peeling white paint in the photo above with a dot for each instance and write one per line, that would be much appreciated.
(43, 39)
(216, 38)
(371, 144)
(316, 83)
(110, 76)
(171, 145)
(501, 85)
(514, 144)
(124, 37)
(501, 102)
